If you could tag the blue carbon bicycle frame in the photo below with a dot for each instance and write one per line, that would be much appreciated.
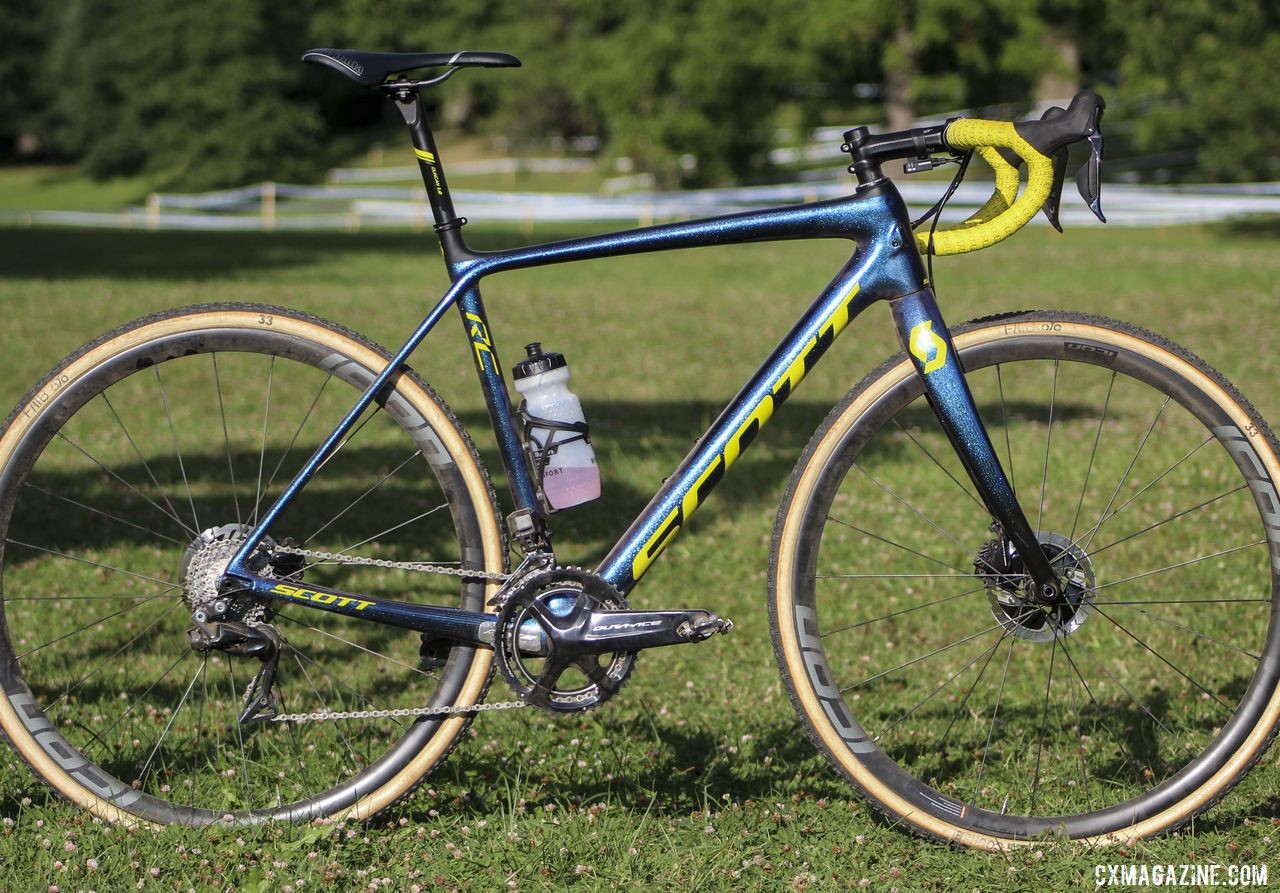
(885, 265)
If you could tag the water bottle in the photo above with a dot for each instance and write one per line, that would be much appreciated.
(556, 430)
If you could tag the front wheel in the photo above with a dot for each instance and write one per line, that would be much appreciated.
(127, 480)
(961, 706)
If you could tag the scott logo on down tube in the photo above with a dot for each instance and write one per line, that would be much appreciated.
(925, 341)
(781, 388)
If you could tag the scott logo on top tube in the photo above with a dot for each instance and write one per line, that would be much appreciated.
(779, 390)
(925, 341)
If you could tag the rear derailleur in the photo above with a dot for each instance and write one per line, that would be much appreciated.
(566, 642)
(244, 640)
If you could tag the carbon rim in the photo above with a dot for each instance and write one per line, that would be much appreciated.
(178, 425)
(911, 681)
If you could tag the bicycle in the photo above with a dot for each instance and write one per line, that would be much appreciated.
(177, 647)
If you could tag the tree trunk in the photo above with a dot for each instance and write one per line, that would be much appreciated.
(899, 73)
(1061, 77)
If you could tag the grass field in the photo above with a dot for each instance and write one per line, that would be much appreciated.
(697, 775)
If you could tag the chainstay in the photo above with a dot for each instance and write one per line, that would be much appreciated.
(418, 566)
(315, 556)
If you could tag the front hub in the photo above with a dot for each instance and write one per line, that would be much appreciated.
(1016, 606)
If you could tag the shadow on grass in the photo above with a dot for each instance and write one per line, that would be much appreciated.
(126, 254)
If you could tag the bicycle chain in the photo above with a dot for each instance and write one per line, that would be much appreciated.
(420, 567)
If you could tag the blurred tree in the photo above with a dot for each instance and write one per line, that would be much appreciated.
(1217, 59)
(201, 95)
(25, 89)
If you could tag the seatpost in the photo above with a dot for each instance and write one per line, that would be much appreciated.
(448, 224)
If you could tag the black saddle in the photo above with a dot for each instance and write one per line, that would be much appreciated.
(371, 69)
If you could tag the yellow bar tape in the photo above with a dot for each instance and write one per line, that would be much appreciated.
(1005, 212)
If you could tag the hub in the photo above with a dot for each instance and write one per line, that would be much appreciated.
(1016, 607)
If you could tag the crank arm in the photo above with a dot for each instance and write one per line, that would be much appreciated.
(610, 631)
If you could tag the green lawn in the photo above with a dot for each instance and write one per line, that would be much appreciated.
(698, 775)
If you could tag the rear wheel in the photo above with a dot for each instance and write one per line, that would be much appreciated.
(956, 702)
(126, 480)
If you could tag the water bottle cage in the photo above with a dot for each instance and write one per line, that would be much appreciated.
(539, 456)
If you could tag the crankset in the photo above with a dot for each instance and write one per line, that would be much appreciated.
(566, 642)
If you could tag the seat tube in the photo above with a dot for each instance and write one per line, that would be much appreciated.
(925, 337)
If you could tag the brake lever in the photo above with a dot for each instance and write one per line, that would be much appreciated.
(1054, 202)
(1089, 177)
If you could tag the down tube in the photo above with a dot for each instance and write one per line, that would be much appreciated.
(741, 421)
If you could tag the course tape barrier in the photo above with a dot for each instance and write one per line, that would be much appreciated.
(280, 206)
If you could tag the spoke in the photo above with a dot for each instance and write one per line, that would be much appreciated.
(1157, 479)
(104, 662)
(1190, 601)
(1079, 749)
(173, 512)
(173, 433)
(396, 527)
(896, 545)
(168, 513)
(1102, 714)
(1162, 658)
(302, 424)
(987, 652)
(108, 567)
(1004, 421)
(941, 467)
(169, 725)
(346, 742)
(899, 576)
(235, 701)
(350, 644)
(1171, 567)
(1195, 632)
(107, 515)
(99, 738)
(353, 503)
(92, 623)
(356, 693)
(995, 712)
(226, 438)
(1102, 519)
(911, 508)
(1048, 439)
(1044, 724)
(916, 660)
(1093, 453)
(1173, 517)
(350, 437)
(204, 699)
(959, 711)
(262, 453)
(1145, 709)
(862, 623)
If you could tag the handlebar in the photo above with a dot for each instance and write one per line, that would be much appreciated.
(1039, 145)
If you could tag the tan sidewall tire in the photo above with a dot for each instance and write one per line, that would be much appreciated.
(789, 529)
(458, 446)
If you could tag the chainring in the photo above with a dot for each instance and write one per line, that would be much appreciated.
(547, 604)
